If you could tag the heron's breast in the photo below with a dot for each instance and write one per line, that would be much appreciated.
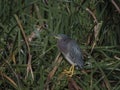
(62, 47)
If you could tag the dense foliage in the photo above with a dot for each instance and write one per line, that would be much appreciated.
(28, 48)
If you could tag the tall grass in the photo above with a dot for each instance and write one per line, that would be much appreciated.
(95, 25)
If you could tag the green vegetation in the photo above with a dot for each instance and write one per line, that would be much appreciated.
(26, 28)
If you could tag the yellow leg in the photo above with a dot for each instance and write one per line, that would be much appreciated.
(69, 72)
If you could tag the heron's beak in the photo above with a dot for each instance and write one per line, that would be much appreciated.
(57, 37)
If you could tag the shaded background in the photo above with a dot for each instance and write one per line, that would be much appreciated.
(26, 28)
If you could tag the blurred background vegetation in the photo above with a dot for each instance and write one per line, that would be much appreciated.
(28, 49)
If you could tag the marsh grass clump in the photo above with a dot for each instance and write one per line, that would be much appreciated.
(29, 58)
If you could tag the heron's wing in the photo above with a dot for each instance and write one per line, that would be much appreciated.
(75, 53)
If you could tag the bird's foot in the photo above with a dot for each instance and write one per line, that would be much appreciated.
(69, 72)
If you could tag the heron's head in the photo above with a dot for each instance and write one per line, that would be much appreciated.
(61, 36)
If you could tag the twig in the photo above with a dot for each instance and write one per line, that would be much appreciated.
(92, 14)
(57, 60)
(29, 68)
(118, 58)
(96, 28)
(72, 85)
(116, 6)
(9, 79)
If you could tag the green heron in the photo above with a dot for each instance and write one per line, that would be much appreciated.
(71, 51)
